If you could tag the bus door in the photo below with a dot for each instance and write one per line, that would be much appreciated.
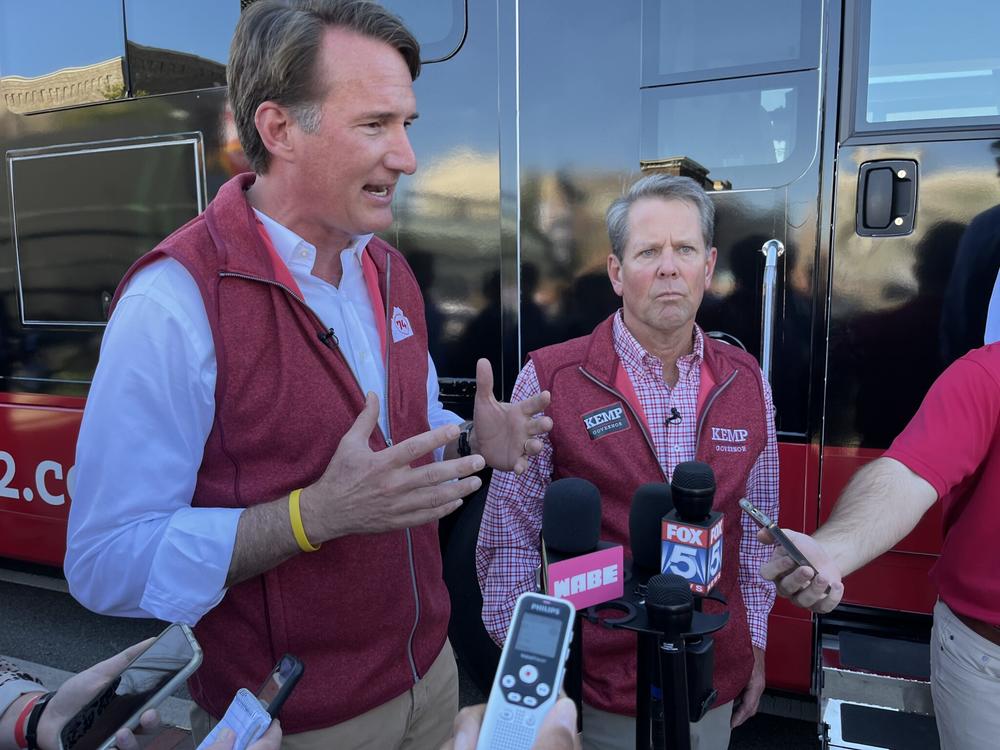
(915, 195)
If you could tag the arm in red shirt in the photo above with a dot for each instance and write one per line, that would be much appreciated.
(942, 446)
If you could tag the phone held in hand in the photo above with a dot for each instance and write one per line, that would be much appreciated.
(250, 715)
(765, 522)
(280, 683)
(148, 679)
(530, 672)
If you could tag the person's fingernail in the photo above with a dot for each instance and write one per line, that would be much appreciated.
(479, 463)
(565, 714)
(462, 739)
(226, 734)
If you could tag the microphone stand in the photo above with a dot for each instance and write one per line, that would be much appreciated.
(661, 663)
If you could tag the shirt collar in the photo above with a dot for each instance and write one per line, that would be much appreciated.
(634, 355)
(286, 242)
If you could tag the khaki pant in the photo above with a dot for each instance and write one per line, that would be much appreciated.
(606, 731)
(420, 719)
(965, 683)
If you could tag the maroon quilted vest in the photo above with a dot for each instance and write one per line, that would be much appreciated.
(364, 613)
(581, 376)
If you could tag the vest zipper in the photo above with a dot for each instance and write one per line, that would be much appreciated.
(708, 405)
(407, 532)
(638, 421)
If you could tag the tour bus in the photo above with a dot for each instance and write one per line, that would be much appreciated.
(847, 145)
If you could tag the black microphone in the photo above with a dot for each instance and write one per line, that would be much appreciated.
(675, 416)
(692, 532)
(670, 610)
(650, 503)
(328, 337)
(576, 565)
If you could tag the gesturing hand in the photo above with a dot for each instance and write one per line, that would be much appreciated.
(506, 434)
(367, 492)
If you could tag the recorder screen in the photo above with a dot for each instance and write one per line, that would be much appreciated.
(538, 635)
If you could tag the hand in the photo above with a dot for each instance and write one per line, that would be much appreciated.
(507, 434)
(557, 732)
(750, 697)
(80, 689)
(818, 590)
(270, 740)
(364, 492)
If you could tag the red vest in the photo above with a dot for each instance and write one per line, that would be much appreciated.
(356, 611)
(581, 377)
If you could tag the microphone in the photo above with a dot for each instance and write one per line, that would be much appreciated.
(692, 532)
(650, 503)
(670, 610)
(576, 565)
(669, 605)
(675, 416)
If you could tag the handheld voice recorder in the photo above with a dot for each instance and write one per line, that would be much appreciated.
(530, 672)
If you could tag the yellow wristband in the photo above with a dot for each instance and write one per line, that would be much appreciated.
(297, 529)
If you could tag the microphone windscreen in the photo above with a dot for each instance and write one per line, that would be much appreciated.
(693, 489)
(650, 503)
(571, 516)
(668, 590)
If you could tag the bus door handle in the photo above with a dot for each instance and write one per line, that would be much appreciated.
(771, 250)
(887, 198)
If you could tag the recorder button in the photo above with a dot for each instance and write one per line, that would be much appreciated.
(530, 702)
(543, 690)
(514, 697)
(528, 673)
(508, 681)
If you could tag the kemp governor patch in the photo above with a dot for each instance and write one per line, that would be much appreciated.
(606, 421)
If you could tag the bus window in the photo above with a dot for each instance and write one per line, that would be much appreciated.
(179, 46)
(83, 213)
(56, 54)
(927, 63)
(755, 132)
(688, 40)
(439, 25)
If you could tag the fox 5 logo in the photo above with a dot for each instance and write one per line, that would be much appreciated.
(700, 566)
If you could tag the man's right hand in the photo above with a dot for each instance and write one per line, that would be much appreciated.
(803, 586)
(366, 492)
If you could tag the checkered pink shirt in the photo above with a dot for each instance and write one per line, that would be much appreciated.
(507, 554)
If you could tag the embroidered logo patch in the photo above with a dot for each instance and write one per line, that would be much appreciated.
(606, 421)
(729, 440)
(400, 326)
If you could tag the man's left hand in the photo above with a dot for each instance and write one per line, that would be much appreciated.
(507, 434)
(750, 698)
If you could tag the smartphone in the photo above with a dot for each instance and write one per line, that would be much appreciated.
(280, 683)
(530, 672)
(765, 522)
(148, 679)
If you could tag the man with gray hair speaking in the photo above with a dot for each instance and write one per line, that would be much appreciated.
(676, 386)
(235, 467)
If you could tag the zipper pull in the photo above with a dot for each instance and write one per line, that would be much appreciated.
(329, 337)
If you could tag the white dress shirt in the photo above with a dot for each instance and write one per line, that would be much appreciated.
(136, 547)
